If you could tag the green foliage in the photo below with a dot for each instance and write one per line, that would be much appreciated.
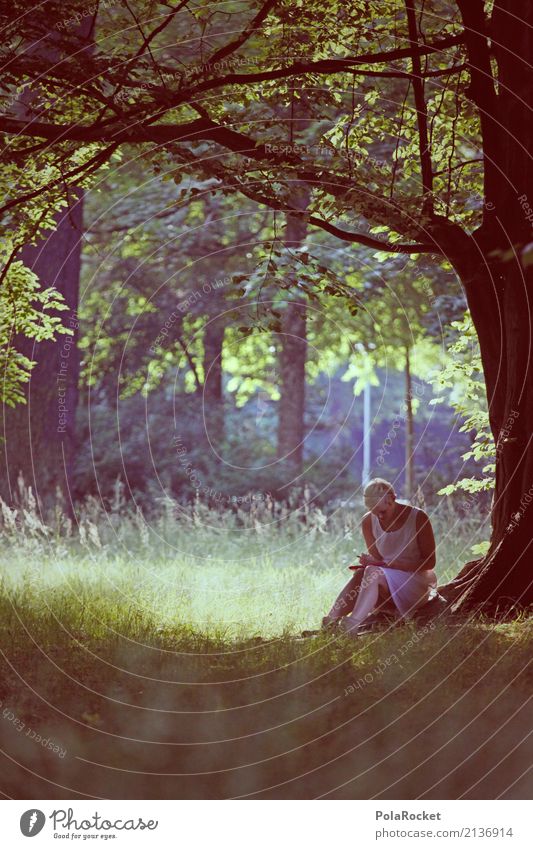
(358, 129)
(34, 189)
(462, 377)
(166, 216)
(25, 310)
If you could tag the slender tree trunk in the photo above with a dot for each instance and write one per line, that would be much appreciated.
(213, 390)
(292, 361)
(293, 338)
(293, 358)
(409, 429)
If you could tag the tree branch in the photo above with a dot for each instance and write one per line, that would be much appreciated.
(383, 57)
(80, 172)
(369, 242)
(381, 209)
(190, 360)
(205, 129)
(322, 66)
(252, 27)
(229, 179)
(145, 45)
(166, 100)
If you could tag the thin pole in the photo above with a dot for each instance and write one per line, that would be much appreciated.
(409, 441)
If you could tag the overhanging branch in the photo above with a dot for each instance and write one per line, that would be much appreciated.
(297, 69)
(205, 129)
(369, 242)
(229, 179)
(323, 66)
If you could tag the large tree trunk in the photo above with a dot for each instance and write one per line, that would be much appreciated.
(499, 289)
(495, 268)
(39, 437)
(503, 580)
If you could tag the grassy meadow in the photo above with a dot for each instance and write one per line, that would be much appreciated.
(163, 659)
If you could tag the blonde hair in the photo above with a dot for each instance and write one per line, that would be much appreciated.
(376, 489)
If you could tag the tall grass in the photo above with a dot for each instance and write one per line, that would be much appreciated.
(269, 569)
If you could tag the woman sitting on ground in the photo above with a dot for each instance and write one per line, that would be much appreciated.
(399, 564)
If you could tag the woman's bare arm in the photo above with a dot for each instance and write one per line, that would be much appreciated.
(426, 541)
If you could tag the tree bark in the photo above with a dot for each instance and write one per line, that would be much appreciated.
(40, 437)
(213, 390)
(495, 267)
(292, 361)
(293, 358)
(499, 289)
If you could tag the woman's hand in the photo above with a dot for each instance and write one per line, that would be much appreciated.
(368, 560)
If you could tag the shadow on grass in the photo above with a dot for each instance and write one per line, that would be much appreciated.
(145, 711)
